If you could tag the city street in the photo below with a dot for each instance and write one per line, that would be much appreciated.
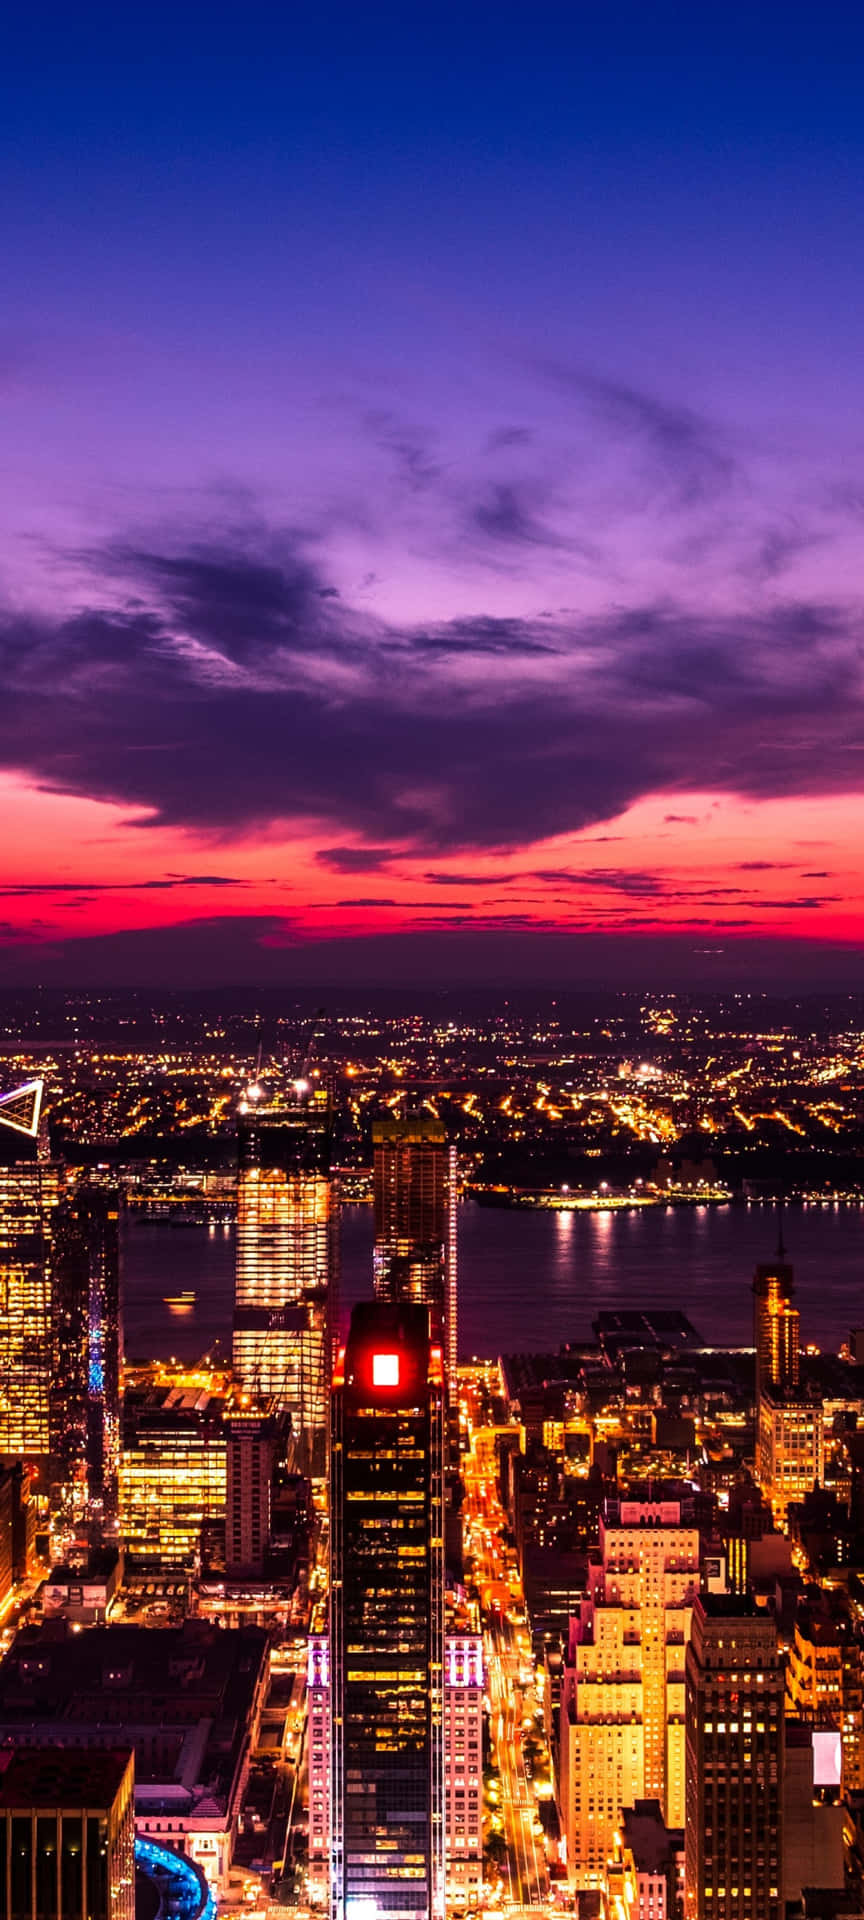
(507, 1653)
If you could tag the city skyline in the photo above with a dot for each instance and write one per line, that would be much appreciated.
(431, 499)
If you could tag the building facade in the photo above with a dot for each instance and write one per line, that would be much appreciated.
(67, 1834)
(790, 1449)
(463, 1767)
(387, 1618)
(287, 1263)
(622, 1698)
(415, 1220)
(735, 1747)
(173, 1474)
(30, 1190)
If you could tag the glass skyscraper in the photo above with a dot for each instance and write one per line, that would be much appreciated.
(30, 1189)
(387, 1618)
(287, 1251)
(415, 1219)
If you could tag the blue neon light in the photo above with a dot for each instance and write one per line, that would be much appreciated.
(191, 1898)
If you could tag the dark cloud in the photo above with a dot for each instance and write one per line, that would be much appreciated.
(90, 888)
(470, 879)
(505, 514)
(354, 859)
(681, 819)
(761, 866)
(234, 694)
(686, 451)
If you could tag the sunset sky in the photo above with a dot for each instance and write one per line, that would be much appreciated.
(431, 492)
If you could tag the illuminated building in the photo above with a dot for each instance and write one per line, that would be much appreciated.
(30, 1188)
(318, 1741)
(87, 1335)
(733, 1829)
(286, 1269)
(67, 1834)
(790, 1450)
(253, 1441)
(776, 1328)
(172, 1473)
(825, 1678)
(463, 1767)
(386, 1618)
(622, 1700)
(415, 1219)
(645, 1878)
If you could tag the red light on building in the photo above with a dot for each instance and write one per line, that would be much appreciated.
(385, 1369)
(436, 1366)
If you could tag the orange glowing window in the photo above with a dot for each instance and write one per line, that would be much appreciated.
(385, 1369)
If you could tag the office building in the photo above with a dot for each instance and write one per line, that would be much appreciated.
(172, 1473)
(463, 1767)
(622, 1698)
(319, 1747)
(386, 1618)
(30, 1189)
(67, 1834)
(254, 1440)
(287, 1262)
(776, 1329)
(188, 1701)
(88, 1349)
(813, 1814)
(415, 1220)
(790, 1449)
(825, 1677)
(734, 1813)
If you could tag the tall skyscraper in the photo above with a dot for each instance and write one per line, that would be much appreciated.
(733, 1831)
(387, 1618)
(776, 1330)
(415, 1220)
(88, 1346)
(254, 1437)
(30, 1189)
(622, 1701)
(789, 1426)
(287, 1253)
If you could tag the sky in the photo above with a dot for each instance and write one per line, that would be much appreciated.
(431, 494)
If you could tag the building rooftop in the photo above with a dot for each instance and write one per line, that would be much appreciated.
(62, 1776)
(183, 1697)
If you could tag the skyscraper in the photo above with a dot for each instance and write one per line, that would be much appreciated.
(286, 1268)
(30, 1189)
(387, 1618)
(776, 1330)
(789, 1426)
(88, 1345)
(622, 1701)
(733, 1839)
(415, 1219)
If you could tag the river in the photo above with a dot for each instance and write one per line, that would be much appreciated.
(531, 1280)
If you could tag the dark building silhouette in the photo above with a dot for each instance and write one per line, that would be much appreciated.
(734, 1763)
(67, 1834)
(387, 1617)
(88, 1346)
(415, 1219)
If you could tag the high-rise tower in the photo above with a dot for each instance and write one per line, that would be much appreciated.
(30, 1189)
(734, 1866)
(415, 1219)
(286, 1268)
(387, 1618)
(776, 1333)
(88, 1345)
(622, 1701)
